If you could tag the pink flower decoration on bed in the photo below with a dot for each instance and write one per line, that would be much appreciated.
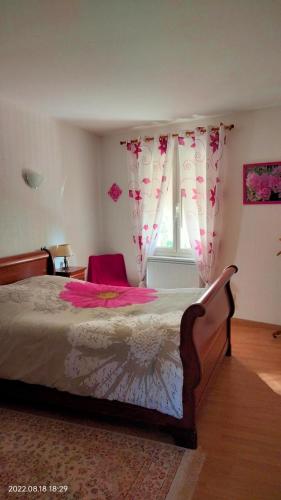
(93, 295)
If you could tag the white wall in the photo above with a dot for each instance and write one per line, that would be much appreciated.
(251, 232)
(83, 215)
(66, 207)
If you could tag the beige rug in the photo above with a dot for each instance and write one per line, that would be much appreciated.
(41, 457)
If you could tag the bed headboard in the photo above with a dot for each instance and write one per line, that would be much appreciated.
(25, 265)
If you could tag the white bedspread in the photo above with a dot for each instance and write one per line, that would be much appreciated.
(128, 353)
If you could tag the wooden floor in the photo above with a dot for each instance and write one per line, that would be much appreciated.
(239, 425)
(240, 421)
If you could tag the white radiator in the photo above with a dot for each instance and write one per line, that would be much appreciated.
(171, 272)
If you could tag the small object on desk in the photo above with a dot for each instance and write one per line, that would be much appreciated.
(72, 272)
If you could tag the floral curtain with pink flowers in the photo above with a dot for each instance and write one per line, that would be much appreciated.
(149, 168)
(201, 168)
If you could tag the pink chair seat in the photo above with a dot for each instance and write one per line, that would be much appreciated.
(107, 270)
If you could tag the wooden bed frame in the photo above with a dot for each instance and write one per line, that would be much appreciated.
(205, 339)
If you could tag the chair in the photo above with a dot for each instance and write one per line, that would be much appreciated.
(107, 270)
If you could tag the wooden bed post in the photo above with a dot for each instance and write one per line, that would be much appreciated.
(201, 324)
(187, 438)
(186, 435)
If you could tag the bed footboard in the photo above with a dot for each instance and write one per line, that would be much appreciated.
(205, 339)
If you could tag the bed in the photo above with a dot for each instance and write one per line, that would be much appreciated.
(203, 340)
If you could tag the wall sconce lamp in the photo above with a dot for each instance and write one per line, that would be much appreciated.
(64, 251)
(31, 178)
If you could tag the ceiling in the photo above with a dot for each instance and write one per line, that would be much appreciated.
(110, 64)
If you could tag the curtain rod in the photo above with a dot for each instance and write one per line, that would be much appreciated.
(187, 133)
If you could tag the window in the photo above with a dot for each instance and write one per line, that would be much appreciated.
(173, 237)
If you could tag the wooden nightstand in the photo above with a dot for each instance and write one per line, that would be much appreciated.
(72, 272)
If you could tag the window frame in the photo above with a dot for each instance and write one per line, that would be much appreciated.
(176, 251)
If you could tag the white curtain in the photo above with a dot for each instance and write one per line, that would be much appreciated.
(201, 168)
(149, 169)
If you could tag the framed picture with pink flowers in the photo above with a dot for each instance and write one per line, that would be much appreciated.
(262, 183)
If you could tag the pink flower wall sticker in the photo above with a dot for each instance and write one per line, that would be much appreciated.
(146, 180)
(213, 195)
(163, 142)
(114, 192)
(92, 295)
(214, 141)
(181, 141)
(137, 149)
